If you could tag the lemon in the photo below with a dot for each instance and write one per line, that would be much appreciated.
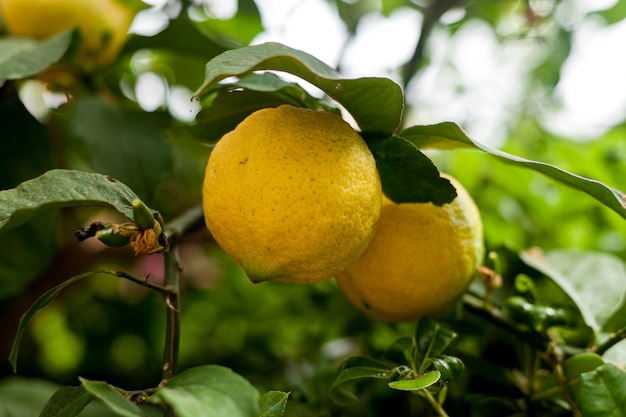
(292, 195)
(420, 261)
(102, 23)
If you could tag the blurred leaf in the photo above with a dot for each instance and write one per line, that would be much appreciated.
(614, 14)
(375, 103)
(67, 402)
(24, 397)
(355, 368)
(602, 392)
(237, 31)
(599, 280)
(127, 144)
(421, 382)
(39, 304)
(209, 391)
(182, 36)
(450, 136)
(62, 188)
(112, 397)
(431, 340)
(555, 291)
(407, 175)
(273, 403)
(580, 363)
(21, 57)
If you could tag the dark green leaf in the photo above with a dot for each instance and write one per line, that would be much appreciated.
(21, 57)
(273, 403)
(67, 402)
(602, 392)
(112, 398)
(209, 391)
(62, 188)
(431, 340)
(127, 144)
(407, 175)
(401, 351)
(421, 382)
(450, 136)
(375, 103)
(41, 303)
(448, 366)
(353, 369)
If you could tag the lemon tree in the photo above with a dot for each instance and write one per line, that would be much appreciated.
(117, 299)
(421, 260)
(292, 194)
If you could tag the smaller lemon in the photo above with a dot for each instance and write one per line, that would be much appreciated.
(103, 24)
(420, 261)
(292, 195)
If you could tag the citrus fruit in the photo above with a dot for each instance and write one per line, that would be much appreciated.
(420, 261)
(102, 23)
(292, 195)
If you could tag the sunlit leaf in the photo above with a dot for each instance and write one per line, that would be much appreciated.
(273, 403)
(450, 136)
(21, 57)
(602, 392)
(209, 391)
(112, 398)
(375, 103)
(423, 381)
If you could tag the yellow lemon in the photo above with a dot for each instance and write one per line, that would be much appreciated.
(103, 24)
(292, 195)
(420, 261)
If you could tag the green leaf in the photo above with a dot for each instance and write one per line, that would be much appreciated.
(375, 103)
(24, 397)
(273, 403)
(67, 402)
(431, 340)
(209, 391)
(614, 14)
(602, 392)
(407, 175)
(39, 304)
(353, 369)
(448, 366)
(421, 382)
(599, 281)
(127, 144)
(575, 366)
(450, 136)
(62, 188)
(112, 398)
(21, 57)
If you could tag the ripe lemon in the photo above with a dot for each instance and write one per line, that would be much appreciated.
(102, 23)
(292, 195)
(420, 261)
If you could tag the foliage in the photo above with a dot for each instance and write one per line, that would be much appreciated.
(540, 333)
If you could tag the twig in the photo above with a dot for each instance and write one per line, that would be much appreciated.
(614, 339)
(181, 225)
(172, 303)
(141, 281)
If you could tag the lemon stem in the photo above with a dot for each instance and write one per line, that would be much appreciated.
(432, 401)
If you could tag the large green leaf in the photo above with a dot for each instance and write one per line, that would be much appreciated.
(127, 144)
(112, 398)
(450, 136)
(21, 57)
(209, 391)
(62, 188)
(273, 403)
(375, 103)
(602, 392)
(24, 397)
